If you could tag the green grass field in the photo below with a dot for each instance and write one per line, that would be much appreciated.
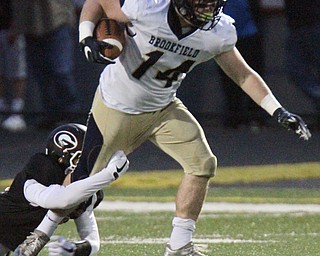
(236, 234)
(162, 185)
(224, 234)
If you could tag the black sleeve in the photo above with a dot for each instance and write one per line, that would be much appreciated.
(44, 170)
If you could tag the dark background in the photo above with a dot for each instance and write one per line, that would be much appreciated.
(201, 90)
(202, 94)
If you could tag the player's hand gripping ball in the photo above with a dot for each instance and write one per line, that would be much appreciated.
(113, 33)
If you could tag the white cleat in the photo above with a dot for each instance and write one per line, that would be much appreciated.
(188, 250)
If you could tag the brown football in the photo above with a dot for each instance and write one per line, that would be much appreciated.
(112, 32)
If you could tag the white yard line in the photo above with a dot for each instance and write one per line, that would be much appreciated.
(140, 240)
(209, 207)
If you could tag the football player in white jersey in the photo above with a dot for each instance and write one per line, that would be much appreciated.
(136, 97)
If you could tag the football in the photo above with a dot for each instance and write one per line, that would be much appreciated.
(111, 32)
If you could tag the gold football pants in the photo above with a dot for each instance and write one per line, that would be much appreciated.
(172, 129)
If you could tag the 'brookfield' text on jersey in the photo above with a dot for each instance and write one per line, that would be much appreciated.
(154, 62)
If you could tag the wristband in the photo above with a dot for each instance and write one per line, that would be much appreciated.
(269, 103)
(86, 29)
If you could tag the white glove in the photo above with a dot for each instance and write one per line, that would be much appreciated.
(117, 166)
(59, 246)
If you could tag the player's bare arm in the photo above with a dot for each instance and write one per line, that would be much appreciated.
(252, 84)
(93, 10)
(243, 75)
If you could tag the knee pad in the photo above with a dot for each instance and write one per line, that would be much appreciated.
(209, 167)
(206, 168)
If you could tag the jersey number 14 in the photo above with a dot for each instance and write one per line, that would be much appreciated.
(169, 75)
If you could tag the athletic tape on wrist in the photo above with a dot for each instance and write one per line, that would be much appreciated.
(85, 29)
(269, 103)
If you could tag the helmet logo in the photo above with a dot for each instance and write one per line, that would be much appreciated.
(65, 140)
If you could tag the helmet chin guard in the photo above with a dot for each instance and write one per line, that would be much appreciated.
(64, 145)
(203, 14)
(73, 161)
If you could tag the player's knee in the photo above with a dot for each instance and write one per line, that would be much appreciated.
(210, 167)
(207, 167)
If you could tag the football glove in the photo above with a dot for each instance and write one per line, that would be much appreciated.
(117, 165)
(92, 50)
(292, 122)
(60, 246)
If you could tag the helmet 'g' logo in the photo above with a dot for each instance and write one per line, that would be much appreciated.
(65, 140)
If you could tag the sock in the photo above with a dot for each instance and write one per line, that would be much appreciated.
(49, 223)
(181, 232)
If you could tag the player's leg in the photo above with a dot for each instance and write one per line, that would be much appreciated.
(3, 103)
(16, 74)
(109, 131)
(61, 57)
(103, 138)
(183, 138)
(3, 43)
(196, 189)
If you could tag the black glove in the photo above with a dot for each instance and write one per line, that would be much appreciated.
(292, 122)
(92, 50)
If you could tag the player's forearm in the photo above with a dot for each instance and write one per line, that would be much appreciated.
(88, 230)
(91, 11)
(250, 81)
(257, 89)
(64, 197)
(233, 64)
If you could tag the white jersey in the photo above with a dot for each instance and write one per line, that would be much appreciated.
(154, 62)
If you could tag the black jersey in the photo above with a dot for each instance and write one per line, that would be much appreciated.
(17, 217)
